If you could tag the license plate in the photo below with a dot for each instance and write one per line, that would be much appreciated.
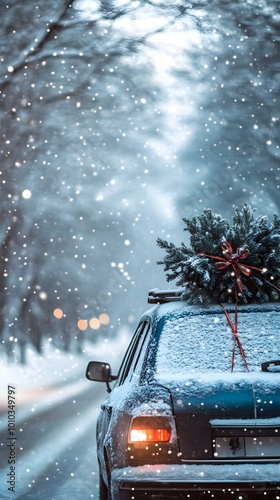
(247, 446)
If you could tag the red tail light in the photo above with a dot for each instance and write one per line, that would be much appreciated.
(149, 430)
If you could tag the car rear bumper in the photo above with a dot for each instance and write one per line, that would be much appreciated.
(200, 481)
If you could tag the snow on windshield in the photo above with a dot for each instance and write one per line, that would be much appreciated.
(204, 343)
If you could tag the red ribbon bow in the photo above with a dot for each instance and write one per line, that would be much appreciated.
(233, 260)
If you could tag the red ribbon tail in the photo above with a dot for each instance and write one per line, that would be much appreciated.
(242, 353)
(236, 338)
(232, 356)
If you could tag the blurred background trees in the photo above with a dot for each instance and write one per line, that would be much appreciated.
(117, 120)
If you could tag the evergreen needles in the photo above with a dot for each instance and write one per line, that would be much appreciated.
(194, 267)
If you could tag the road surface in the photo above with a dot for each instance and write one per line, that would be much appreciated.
(55, 456)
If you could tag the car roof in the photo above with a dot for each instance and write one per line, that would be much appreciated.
(182, 306)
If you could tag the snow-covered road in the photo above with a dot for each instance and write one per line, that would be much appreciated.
(54, 432)
(55, 445)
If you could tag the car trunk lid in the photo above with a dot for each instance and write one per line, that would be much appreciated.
(215, 413)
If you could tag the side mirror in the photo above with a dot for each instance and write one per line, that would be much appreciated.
(100, 372)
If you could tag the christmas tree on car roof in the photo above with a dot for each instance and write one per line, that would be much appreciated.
(225, 262)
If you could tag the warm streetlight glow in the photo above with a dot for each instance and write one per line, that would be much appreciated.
(104, 319)
(82, 324)
(58, 313)
(94, 323)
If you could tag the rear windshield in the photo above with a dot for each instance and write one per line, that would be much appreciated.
(204, 342)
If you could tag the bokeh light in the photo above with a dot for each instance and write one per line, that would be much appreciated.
(94, 323)
(26, 194)
(104, 319)
(82, 324)
(58, 313)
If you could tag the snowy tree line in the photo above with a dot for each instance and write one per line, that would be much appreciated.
(117, 120)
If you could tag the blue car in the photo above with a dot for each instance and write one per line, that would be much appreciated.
(194, 411)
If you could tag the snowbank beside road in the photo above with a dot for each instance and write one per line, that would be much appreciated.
(55, 367)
